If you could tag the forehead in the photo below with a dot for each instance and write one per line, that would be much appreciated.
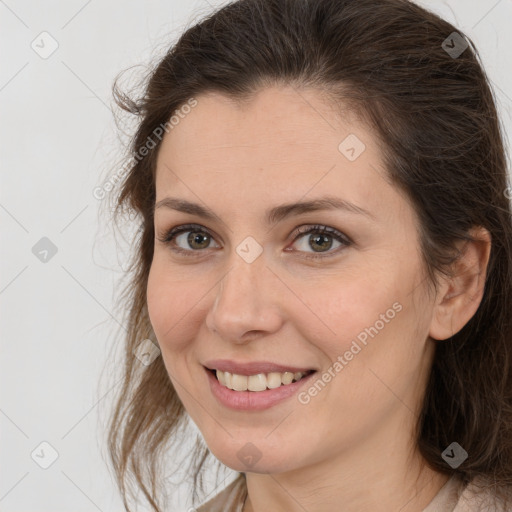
(297, 116)
(277, 126)
(279, 146)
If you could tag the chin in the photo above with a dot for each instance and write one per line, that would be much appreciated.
(248, 458)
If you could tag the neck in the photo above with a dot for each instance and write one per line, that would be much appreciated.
(278, 498)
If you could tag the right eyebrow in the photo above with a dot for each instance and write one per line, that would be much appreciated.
(273, 215)
(181, 205)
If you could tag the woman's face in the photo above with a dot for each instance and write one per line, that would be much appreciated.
(255, 280)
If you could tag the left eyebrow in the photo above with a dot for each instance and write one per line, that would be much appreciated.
(274, 215)
(322, 203)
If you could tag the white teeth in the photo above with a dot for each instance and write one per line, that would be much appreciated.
(273, 380)
(287, 378)
(220, 377)
(259, 382)
(239, 382)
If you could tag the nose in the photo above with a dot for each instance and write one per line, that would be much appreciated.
(246, 304)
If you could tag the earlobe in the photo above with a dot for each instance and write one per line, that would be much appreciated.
(460, 294)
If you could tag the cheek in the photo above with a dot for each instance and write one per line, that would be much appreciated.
(380, 337)
(173, 305)
(374, 349)
(369, 319)
(340, 308)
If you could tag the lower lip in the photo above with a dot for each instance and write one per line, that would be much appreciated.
(253, 400)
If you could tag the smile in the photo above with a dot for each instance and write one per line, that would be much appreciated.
(258, 382)
(254, 391)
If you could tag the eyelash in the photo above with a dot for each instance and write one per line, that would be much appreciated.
(169, 236)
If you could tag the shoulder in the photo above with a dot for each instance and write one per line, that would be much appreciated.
(478, 496)
(229, 499)
(481, 495)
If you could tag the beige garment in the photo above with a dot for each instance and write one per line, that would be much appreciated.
(231, 499)
(455, 497)
(452, 497)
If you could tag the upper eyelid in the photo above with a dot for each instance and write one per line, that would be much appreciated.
(183, 228)
(299, 231)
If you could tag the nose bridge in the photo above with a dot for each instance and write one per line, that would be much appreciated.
(243, 300)
(240, 286)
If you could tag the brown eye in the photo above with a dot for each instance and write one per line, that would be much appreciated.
(188, 238)
(320, 243)
(314, 241)
(197, 239)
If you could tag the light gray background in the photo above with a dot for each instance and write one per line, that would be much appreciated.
(58, 140)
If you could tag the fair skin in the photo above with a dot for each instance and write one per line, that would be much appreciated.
(351, 447)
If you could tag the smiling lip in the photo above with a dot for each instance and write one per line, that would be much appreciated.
(252, 368)
(252, 400)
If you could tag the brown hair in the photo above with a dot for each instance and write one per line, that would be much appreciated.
(435, 116)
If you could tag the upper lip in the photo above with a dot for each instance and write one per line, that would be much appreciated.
(252, 368)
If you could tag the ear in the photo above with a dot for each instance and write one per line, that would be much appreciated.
(460, 294)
